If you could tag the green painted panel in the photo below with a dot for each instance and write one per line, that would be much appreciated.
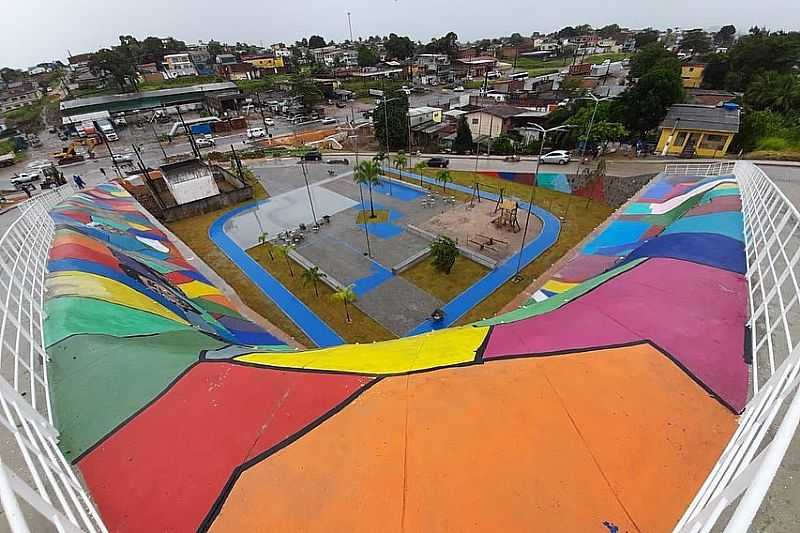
(557, 300)
(98, 381)
(70, 315)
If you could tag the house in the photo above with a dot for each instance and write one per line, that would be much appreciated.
(201, 60)
(267, 63)
(493, 121)
(709, 96)
(706, 131)
(434, 68)
(239, 71)
(424, 114)
(19, 94)
(475, 67)
(226, 59)
(692, 75)
(177, 65)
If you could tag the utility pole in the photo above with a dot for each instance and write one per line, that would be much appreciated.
(263, 118)
(237, 163)
(308, 190)
(150, 186)
(155, 134)
(350, 25)
(195, 150)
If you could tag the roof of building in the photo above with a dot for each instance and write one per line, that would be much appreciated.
(703, 117)
(114, 98)
(422, 110)
(502, 111)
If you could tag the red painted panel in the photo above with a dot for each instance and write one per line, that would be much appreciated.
(164, 470)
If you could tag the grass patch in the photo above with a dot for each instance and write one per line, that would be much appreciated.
(581, 217)
(540, 67)
(361, 329)
(182, 81)
(27, 119)
(194, 232)
(363, 217)
(361, 87)
(7, 146)
(465, 272)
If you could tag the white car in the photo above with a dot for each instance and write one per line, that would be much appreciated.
(560, 157)
(269, 122)
(459, 89)
(25, 177)
(122, 159)
(329, 120)
(255, 133)
(205, 142)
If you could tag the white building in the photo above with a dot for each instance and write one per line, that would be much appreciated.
(177, 65)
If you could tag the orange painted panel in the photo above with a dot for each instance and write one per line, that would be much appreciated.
(532, 444)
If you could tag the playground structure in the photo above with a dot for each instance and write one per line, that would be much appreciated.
(184, 378)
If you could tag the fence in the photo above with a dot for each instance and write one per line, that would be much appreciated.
(746, 468)
(57, 499)
(719, 168)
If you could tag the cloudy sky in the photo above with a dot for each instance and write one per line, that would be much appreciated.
(42, 30)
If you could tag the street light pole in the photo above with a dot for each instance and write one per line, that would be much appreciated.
(532, 197)
(308, 190)
(591, 121)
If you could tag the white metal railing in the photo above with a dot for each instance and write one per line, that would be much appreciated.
(718, 168)
(745, 470)
(34, 471)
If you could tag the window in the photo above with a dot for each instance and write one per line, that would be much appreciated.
(474, 120)
(680, 139)
(713, 141)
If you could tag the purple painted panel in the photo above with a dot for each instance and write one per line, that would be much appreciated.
(694, 312)
(717, 205)
(583, 267)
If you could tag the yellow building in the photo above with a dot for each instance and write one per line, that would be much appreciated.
(704, 131)
(692, 75)
(266, 62)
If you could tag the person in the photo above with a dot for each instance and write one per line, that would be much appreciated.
(79, 181)
(103, 172)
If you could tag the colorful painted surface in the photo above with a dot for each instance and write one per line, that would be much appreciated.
(182, 415)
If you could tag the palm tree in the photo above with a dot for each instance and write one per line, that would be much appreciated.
(444, 177)
(400, 161)
(346, 295)
(283, 251)
(380, 157)
(367, 172)
(263, 239)
(313, 275)
(419, 168)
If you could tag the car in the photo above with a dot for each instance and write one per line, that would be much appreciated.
(269, 122)
(120, 122)
(343, 161)
(38, 165)
(341, 105)
(205, 142)
(122, 159)
(255, 133)
(560, 157)
(26, 177)
(440, 162)
(313, 155)
(329, 120)
(459, 89)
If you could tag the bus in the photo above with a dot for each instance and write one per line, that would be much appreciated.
(518, 76)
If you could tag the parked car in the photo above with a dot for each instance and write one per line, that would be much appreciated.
(344, 161)
(255, 133)
(459, 89)
(122, 159)
(26, 177)
(440, 162)
(341, 105)
(329, 120)
(560, 157)
(205, 142)
(120, 122)
(269, 122)
(313, 155)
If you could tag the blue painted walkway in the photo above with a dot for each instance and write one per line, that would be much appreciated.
(485, 286)
(317, 330)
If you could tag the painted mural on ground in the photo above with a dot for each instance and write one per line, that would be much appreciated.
(183, 416)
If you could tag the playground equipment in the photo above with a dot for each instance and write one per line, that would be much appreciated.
(482, 241)
(508, 215)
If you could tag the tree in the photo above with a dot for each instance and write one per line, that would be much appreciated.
(152, 50)
(761, 52)
(397, 115)
(643, 38)
(716, 71)
(367, 173)
(420, 169)
(444, 45)
(121, 69)
(307, 90)
(463, 140)
(757, 125)
(347, 296)
(263, 239)
(11, 74)
(725, 35)
(313, 275)
(214, 48)
(515, 38)
(315, 41)
(444, 177)
(604, 132)
(774, 91)
(695, 41)
(566, 32)
(444, 253)
(399, 47)
(400, 161)
(284, 251)
(643, 106)
(608, 31)
(651, 57)
(366, 56)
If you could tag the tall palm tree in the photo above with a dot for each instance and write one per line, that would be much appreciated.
(419, 168)
(347, 296)
(313, 275)
(283, 251)
(400, 161)
(367, 173)
(444, 177)
(264, 239)
(380, 157)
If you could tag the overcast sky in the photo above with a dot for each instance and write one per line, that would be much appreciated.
(32, 31)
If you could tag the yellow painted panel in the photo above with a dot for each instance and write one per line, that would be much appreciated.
(196, 289)
(140, 227)
(430, 350)
(558, 286)
(74, 283)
